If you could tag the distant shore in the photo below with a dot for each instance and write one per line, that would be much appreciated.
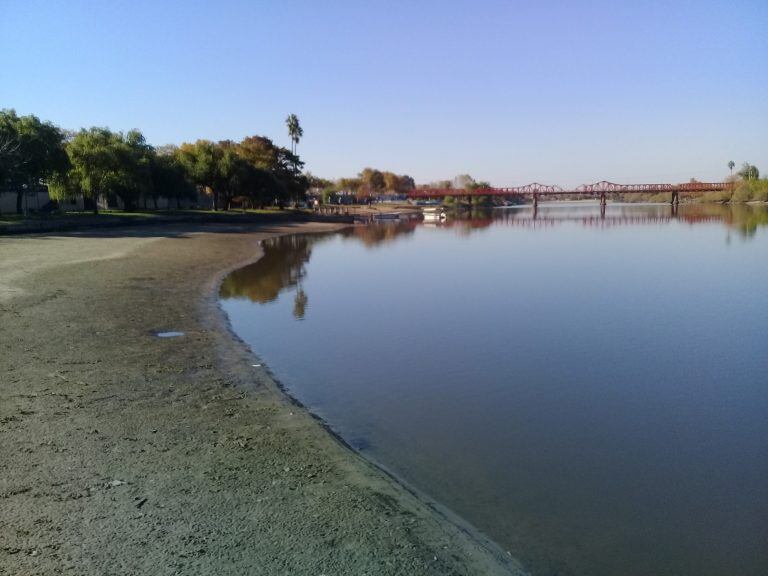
(125, 452)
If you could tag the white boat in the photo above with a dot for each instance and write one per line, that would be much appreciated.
(434, 214)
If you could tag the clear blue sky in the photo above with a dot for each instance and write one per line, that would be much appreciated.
(511, 92)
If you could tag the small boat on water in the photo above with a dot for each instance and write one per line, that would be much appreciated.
(434, 214)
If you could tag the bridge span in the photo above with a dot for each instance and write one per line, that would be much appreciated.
(600, 190)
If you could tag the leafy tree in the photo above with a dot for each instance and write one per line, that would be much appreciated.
(748, 172)
(731, 165)
(348, 184)
(169, 177)
(260, 151)
(106, 163)
(463, 181)
(31, 152)
(328, 195)
(441, 184)
(477, 185)
(136, 158)
(294, 131)
(371, 181)
(391, 181)
(398, 183)
(262, 187)
(317, 183)
(201, 162)
(284, 165)
(406, 184)
(242, 180)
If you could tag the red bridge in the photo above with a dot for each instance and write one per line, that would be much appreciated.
(597, 190)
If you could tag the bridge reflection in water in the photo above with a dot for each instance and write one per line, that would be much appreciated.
(744, 219)
(672, 213)
(283, 265)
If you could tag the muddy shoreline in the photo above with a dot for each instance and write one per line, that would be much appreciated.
(126, 453)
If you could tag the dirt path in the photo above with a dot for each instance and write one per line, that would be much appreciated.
(124, 453)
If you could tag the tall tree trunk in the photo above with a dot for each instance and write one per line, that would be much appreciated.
(19, 197)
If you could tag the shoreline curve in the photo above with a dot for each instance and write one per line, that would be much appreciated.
(127, 453)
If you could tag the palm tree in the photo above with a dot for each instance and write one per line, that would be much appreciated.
(294, 131)
(731, 164)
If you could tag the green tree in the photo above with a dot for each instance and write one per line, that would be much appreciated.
(317, 183)
(136, 157)
(477, 185)
(170, 178)
(748, 172)
(371, 181)
(107, 164)
(262, 187)
(349, 185)
(731, 165)
(260, 151)
(31, 152)
(201, 162)
(241, 180)
(282, 163)
(294, 131)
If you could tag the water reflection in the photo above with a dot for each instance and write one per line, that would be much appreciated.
(377, 234)
(585, 387)
(742, 218)
(283, 265)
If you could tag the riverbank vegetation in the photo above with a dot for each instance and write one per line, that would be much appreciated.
(368, 185)
(97, 167)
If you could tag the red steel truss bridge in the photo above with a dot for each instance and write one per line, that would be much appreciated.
(601, 190)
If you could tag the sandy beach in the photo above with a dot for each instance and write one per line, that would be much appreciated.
(125, 453)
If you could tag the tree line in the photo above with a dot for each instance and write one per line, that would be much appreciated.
(98, 163)
(369, 183)
(372, 183)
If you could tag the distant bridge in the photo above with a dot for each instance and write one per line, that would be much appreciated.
(597, 190)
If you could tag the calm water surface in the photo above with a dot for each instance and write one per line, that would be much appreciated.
(591, 393)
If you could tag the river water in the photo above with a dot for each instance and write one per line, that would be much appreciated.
(589, 391)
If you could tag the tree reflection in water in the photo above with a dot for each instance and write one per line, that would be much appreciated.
(282, 267)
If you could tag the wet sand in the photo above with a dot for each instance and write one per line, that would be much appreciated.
(125, 453)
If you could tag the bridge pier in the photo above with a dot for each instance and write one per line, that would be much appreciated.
(675, 198)
(535, 200)
(603, 200)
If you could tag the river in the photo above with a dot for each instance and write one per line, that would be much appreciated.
(589, 391)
